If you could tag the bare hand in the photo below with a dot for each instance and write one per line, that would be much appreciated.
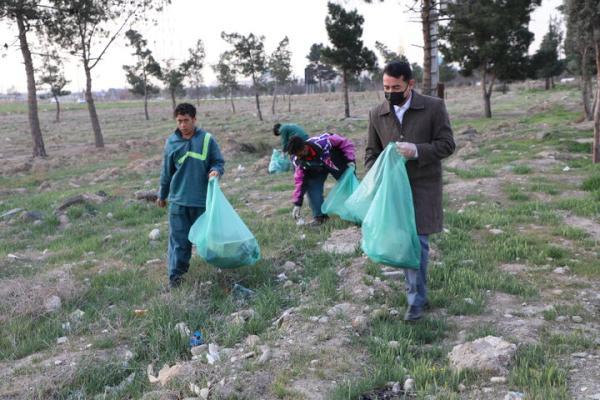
(161, 203)
(213, 174)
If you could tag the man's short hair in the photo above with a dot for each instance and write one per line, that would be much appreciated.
(294, 145)
(397, 69)
(185, 109)
(276, 129)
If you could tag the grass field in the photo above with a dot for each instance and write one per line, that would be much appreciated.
(522, 203)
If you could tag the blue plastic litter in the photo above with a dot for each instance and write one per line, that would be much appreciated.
(196, 339)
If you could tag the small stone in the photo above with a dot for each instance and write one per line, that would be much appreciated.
(396, 388)
(153, 261)
(52, 304)
(314, 363)
(393, 344)
(204, 393)
(360, 324)
(288, 284)
(323, 320)
(498, 379)
(76, 315)
(469, 300)
(109, 215)
(289, 265)
(282, 277)
(249, 354)
(561, 318)
(461, 387)
(496, 231)
(580, 355)
(266, 355)
(577, 319)
(409, 385)
(561, 270)
(379, 313)
(252, 340)
(128, 355)
(154, 234)
(62, 340)
(514, 396)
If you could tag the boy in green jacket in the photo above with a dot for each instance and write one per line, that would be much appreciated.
(286, 131)
(191, 158)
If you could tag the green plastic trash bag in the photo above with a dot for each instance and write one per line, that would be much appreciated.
(279, 162)
(221, 237)
(389, 231)
(358, 204)
(335, 201)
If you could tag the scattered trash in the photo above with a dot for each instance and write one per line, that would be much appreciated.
(213, 353)
(183, 329)
(138, 312)
(566, 169)
(196, 339)
(300, 222)
(242, 292)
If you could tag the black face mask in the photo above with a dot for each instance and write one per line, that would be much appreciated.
(395, 98)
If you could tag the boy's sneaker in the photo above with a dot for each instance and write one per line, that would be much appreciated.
(318, 221)
(413, 314)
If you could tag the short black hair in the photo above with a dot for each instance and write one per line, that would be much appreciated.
(276, 129)
(398, 69)
(295, 144)
(185, 109)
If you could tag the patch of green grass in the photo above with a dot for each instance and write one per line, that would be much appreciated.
(473, 173)
(22, 336)
(480, 331)
(571, 146)
(592, 183)
(522, 169)
(538, 374)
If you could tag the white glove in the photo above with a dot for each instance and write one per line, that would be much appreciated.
(407, 150)
(296, 212)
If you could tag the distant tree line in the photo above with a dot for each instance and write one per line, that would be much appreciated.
(485, 38)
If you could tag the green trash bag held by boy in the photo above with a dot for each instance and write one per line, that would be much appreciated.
(279, 162)
(389, 232)
(220, 236)
(335, 201)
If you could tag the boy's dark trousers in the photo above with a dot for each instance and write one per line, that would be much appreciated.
(181, 219)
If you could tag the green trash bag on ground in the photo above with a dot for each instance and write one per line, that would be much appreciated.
(359, 202)
(221, 237)
(335, 201)
(389, 230)
(279, 162)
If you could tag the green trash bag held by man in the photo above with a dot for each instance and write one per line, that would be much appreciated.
(220, 236)
(389, 232)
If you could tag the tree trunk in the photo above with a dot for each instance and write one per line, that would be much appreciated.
(274, 98)
(39, 149)
(231, 99)
(552, 82)
(596, 146)
(98, 139)
(198, 96)
(426, 25)
(547, 85)
(173, 101)
(487, 94)
(146, 100)
(257, 105)
(290, 101)
(57, 119)
(586, 82)
(346, 98)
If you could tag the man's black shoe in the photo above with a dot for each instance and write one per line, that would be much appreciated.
(175, 282)
(413, 313)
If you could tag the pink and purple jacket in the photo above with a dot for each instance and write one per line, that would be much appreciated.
(333, 153)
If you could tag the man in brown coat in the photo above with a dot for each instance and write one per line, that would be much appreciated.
(420, 127)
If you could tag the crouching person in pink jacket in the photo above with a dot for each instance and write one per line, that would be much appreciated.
(314, 159)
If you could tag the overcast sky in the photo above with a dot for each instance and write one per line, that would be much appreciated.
(303, 21)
